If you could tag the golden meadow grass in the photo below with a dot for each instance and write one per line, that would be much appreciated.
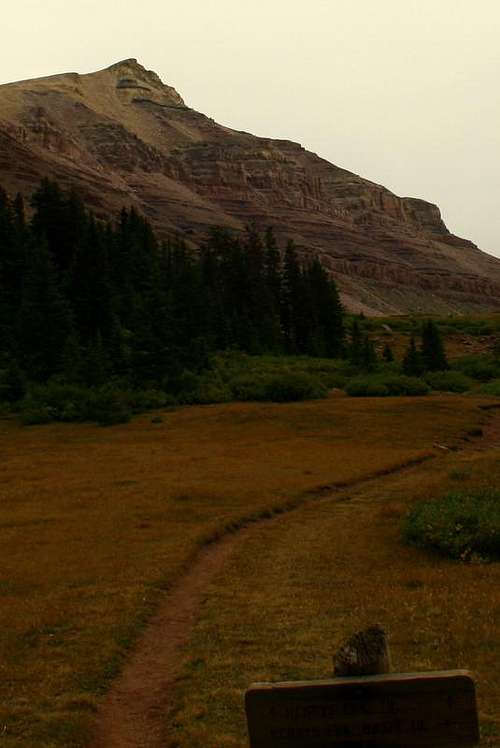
(294, 589)
(95, 523)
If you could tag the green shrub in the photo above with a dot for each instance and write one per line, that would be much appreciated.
(366, 387)
(448, 381)
(33, 415)
(143, 400)
(208, 392)
(401, 384)
(111, 403)
(108, 407)
(385, 384)
(460, 525)
(295, 386)
(332, 380)
(248, 387)
(280, 388)
(55, 401)
(491, 388)
(180, 383)
(482, 368)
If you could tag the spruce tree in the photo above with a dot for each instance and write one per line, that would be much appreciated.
(412, 362)
(433, 353)
(44, 317)
(12, 380)
(368, 354)
(355, 348)
(292, 301)
(326, 314)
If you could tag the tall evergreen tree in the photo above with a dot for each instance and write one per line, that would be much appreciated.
(368, 354)
(44, 319)
(412, 361)
(433, 353)
(355, 348)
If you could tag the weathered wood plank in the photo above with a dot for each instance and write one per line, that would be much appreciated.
(399, 710)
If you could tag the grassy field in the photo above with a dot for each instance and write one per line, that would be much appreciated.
(97, 523)
(296, 588)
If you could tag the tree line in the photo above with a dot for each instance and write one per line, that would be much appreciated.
(92, 301)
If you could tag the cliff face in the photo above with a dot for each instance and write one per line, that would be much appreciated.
(120, 136)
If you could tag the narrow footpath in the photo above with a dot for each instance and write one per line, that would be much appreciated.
(133, 713)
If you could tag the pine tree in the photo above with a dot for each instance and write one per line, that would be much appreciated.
(96, 363)
(73, 368)
(12, 380)
(59, 218)
(433, 353)
(44, 317)
(292, 298)
(13, 240)
(355, 348)
(326, 314)
(368, 354)
(412, 361)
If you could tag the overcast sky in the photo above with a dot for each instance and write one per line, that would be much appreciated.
(403, 92)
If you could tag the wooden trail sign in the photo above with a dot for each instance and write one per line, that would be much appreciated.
(403, 710)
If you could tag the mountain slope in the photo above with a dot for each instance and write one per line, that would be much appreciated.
(120, 136)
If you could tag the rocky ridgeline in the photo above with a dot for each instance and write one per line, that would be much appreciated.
(121, 136)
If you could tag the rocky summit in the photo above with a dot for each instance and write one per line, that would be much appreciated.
(122, 137)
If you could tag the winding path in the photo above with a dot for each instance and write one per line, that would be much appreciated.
(133, 713)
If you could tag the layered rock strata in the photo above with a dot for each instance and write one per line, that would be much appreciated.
(121, 136)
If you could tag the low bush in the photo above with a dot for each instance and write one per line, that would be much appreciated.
(180, 383)
(107, 405)
(403, 385)
(55, 401)
(460, 525)
(207, 392)
(448, 381)
(481, 367)
(386, 384)
(33, 415)
(151, 399)
(491, 388)
(366, 387)
(280, 388)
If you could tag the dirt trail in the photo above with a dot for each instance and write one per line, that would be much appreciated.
(133, 713)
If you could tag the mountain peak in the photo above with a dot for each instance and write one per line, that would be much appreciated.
(135, 80)
(128, 61)
(121, 136)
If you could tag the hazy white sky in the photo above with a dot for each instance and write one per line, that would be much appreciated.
(403, 92)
